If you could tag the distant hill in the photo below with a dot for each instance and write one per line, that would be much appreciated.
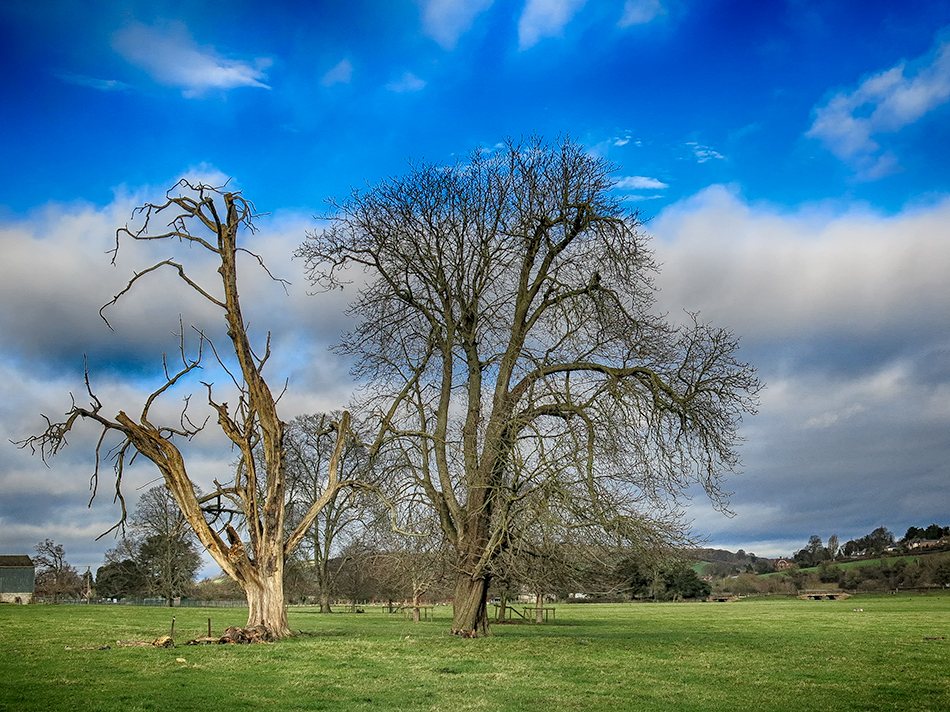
(724, 556)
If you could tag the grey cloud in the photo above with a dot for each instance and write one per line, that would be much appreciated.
(843, 312)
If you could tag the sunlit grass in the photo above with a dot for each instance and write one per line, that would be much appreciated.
(753, 655)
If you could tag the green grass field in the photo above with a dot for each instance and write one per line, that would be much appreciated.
(757, 654)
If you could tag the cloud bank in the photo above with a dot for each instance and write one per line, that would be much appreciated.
(843, 311)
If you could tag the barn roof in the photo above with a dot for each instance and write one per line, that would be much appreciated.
(15, 561)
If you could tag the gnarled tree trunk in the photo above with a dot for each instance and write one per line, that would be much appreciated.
(470, 609)
(265, 604)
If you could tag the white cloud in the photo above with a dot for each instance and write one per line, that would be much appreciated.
(640, 183)
(408, 82)
(447, 20)
(639, 198)
(170, 55)
(704, 153)
(776, 275)
(545, 18)
(883, 103)
(640, 12)
(833, 417)
(340, 74)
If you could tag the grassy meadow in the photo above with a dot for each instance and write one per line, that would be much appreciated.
(756, 654)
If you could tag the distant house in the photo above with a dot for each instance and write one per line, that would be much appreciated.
(926, 543)
(16, 579)
(782, 564)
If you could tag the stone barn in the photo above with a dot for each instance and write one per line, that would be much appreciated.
(16, 579)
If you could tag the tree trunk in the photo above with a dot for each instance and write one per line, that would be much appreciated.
(502, 607)
(265, 606)
(324, 579)
(325, 601)
(470, 610)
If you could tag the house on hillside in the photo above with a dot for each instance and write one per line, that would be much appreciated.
(16, 579)
(926, 543)
(782, 564)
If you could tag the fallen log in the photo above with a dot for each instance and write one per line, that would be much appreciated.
(243, 636)
(233, 636)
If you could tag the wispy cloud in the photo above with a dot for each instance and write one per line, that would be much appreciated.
(640, 183)
(704, 153)
(545, 18)
(624, 139)
(169, 54)
(833, 417)
(639, 198)
(340, 74)
(408, 82)
(447, 20)
(640, 12)
(92, 82)
(883, 103)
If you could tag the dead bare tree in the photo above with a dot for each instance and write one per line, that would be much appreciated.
(506, 330)
(252, 499)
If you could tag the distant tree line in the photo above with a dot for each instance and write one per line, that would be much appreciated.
(353, 555)
(720, 563)
(884, 574)
(815, 552)
(931, 533)
(407, 576)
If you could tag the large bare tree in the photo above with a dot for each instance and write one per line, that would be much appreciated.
(508, 339)
(242, 522)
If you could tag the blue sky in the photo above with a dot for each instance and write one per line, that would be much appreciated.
(791, 156)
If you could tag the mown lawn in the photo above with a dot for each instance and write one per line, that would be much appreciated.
(757, 654)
